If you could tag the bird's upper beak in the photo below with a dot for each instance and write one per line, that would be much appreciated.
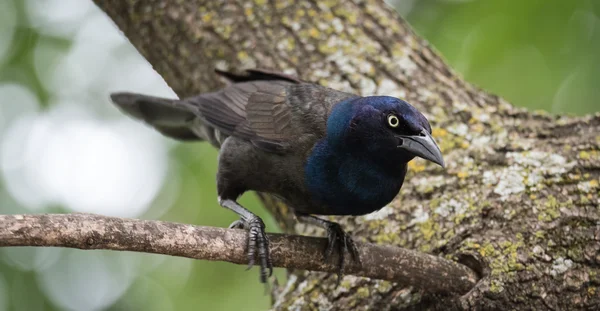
(422, 145)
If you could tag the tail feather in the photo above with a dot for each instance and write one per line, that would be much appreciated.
(168, 116)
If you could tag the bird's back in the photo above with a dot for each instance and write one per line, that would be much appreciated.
(276, 115)
(275, 112)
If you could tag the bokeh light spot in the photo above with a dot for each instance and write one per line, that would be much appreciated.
(105, 277)
(58, 17)
(113, 168)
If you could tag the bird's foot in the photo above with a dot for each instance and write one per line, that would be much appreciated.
(258, 243)
(238, 224)
(338, 238)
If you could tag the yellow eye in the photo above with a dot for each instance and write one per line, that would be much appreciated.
(393, 121)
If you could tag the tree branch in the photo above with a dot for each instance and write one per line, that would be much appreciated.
(88, 231)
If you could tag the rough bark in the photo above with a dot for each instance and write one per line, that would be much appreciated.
(518, 201)
(87, 231)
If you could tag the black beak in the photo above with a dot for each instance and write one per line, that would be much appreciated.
(422, 145)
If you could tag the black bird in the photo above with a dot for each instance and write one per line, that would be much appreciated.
(322, 151)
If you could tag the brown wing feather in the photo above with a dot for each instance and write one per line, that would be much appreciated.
(269, 113)
(250, 110)
(269, 109)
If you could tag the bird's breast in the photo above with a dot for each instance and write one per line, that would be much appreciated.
(350, 186)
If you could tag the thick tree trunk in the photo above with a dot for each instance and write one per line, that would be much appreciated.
(518, 202)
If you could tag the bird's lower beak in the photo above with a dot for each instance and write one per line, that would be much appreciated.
(422, 145)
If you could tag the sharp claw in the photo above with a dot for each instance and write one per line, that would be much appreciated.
(258, 242)
(339, 239)
(250, 263)
(331, 239)
(238, 224)
(342, 263)
(251, 246)
(338, 282)
(268, 262)
(354, 251)
(343, 249)
(262, 254)
(257, 238)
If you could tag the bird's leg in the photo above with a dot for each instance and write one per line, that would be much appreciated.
(336, 238)
(257, 238)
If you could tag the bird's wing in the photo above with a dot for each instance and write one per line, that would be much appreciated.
(272, 111)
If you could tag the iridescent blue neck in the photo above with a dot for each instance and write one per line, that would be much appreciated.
(338, 122)
(351, 178)
(349, 184)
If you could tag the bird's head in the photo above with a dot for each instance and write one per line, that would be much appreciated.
(382, 126)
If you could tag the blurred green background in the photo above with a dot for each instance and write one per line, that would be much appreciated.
(64, 148)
